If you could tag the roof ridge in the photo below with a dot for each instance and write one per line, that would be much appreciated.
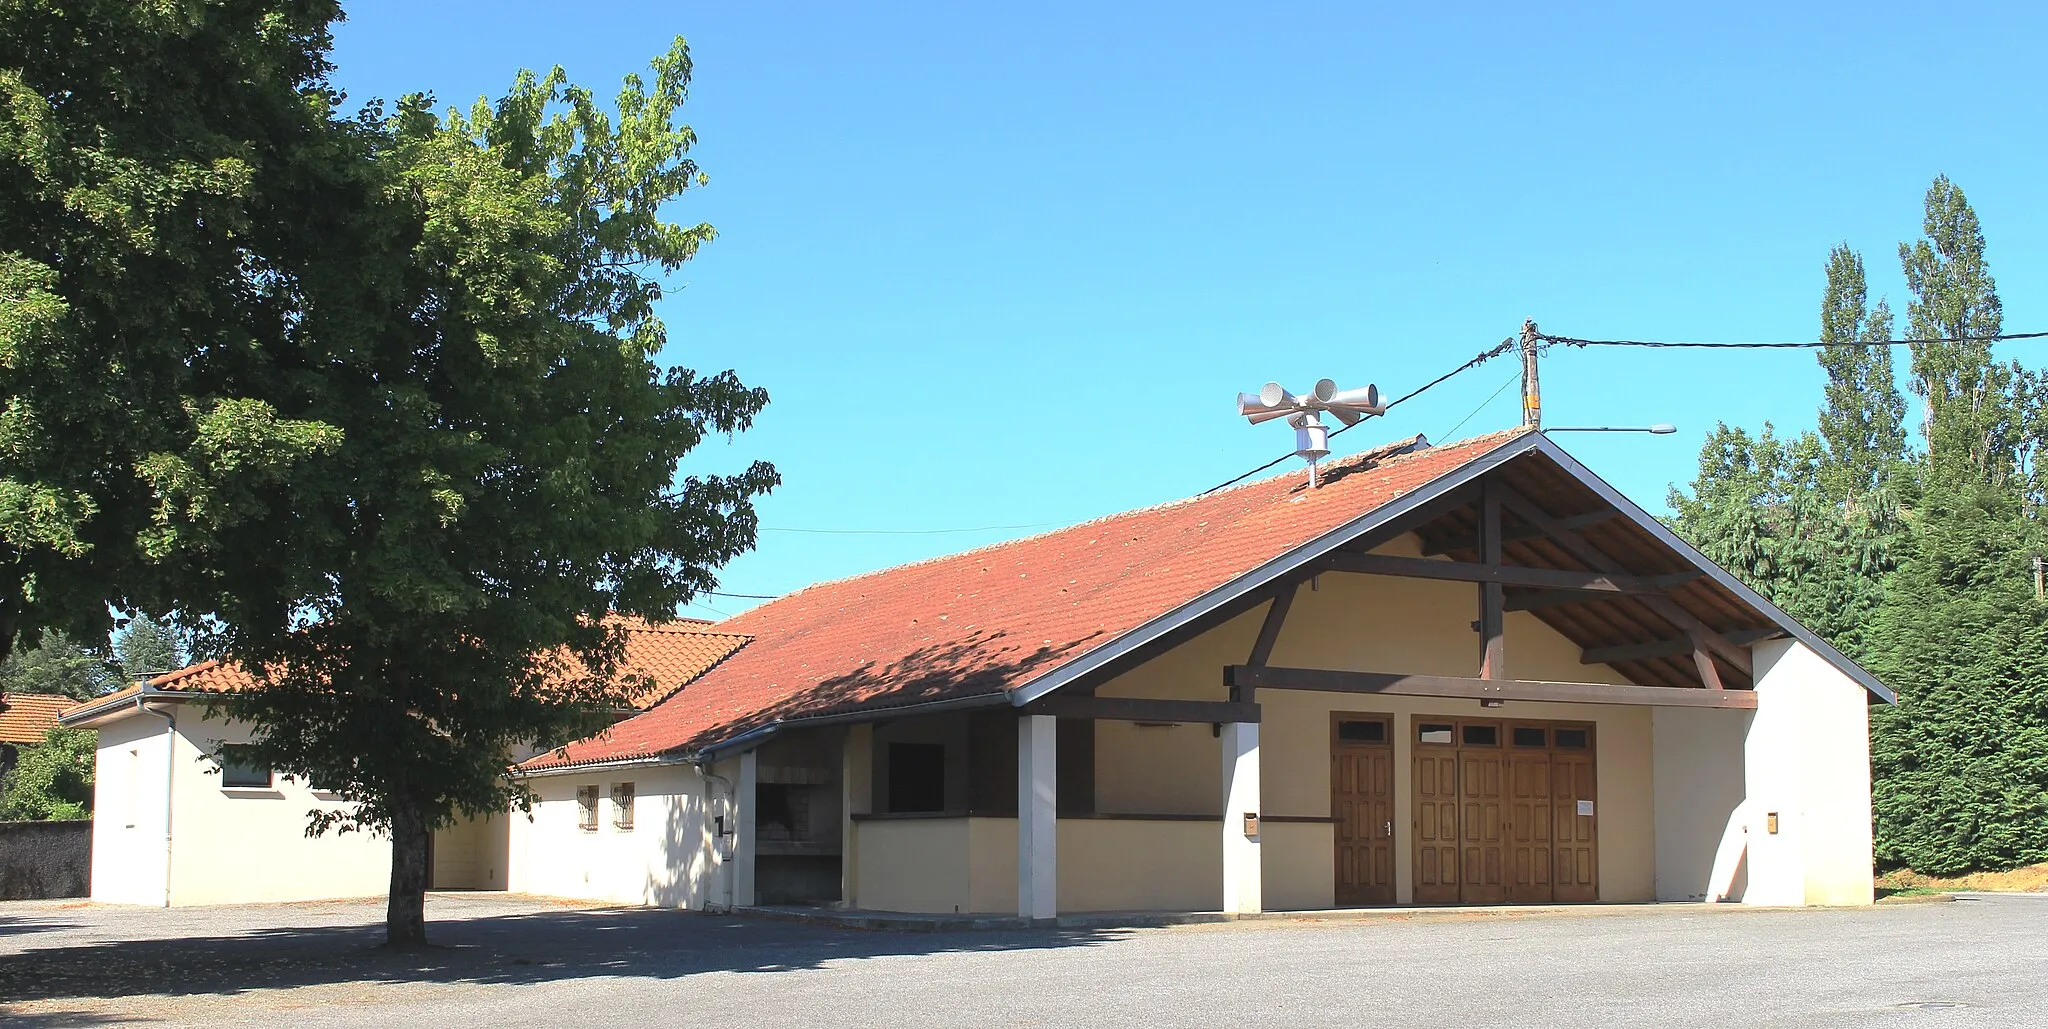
(1383, 451)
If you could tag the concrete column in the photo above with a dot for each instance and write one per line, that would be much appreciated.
(1242, 893)
(1807, 765)
(744, 809)
(857, 797)
(1038, 816)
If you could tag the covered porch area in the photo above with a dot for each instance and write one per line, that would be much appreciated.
(1514, 688)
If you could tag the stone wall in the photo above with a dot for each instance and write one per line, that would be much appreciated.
(45, 860)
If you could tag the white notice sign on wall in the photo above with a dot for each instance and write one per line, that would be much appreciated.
(1585, 807)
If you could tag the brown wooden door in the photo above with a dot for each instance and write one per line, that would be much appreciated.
(1436, 825)
(1362, 801)
(1529, 823)
(1482, 836)
(1575, 824)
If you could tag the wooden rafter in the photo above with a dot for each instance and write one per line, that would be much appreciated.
(1594, 557)
(1142, 709)
(1492, 619)
(1470, 540)
(1666, 648)
(1397, 683)
(1269, 630)
(1506, 575)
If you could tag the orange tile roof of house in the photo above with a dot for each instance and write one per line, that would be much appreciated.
(993, 619)
(670, 655)
(25, 717)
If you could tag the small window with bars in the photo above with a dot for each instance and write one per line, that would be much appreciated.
(622, 805)
(586, 808)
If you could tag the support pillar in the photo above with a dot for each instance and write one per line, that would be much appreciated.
(857, 797)
(1038, 816)
(743, 811)
(1242, 868)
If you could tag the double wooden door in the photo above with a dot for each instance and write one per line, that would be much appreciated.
(1504, 812)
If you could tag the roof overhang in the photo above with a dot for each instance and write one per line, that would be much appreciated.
(1227, 598)
(118, 705)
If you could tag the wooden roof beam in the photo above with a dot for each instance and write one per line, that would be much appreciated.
(1666, 648)
(1470, 540)
(1506, 575)
(1402, 684)
(1665, 607)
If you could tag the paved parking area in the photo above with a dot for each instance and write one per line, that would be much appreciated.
(513, 962)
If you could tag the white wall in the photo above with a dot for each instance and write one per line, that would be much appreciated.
(1699, 775)
(666, 859)
(128, 813)
(229, 845)
(1807, 760)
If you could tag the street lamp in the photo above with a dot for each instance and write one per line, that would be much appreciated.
(1660, 429)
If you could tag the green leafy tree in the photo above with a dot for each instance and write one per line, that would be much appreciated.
(507, 471)
(170, 176)
(59, 666)
(52, 780)
(148, 647)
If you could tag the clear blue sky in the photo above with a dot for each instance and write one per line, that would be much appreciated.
(1010, 268)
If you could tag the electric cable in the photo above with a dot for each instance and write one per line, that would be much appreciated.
(1801, 345)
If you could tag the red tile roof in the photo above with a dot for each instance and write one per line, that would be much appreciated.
(995, 618)
(25, 717)
(670, 655)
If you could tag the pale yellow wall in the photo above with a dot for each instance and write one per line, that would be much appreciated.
(1298, 862)
(918, 864)
(1368, 623)
(1699, 789)
(664, 860)
(1108, 865)
(472, 855)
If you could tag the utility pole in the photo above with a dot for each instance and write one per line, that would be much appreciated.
(1532, 395)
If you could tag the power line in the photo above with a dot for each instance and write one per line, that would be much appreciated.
(1800, 345)
(1483, 357)
(1482, 405)
(742, 596)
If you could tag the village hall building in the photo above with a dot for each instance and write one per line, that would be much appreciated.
(1467, 674)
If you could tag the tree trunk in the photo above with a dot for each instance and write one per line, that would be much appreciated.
(405, 915)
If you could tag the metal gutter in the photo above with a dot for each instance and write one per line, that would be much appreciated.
(761, 734)
(114, 703)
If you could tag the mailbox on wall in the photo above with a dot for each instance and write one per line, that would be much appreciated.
(1251, 824)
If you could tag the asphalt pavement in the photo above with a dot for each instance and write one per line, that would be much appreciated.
(506, 962)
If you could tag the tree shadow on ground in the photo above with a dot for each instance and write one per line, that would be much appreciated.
(517, 949)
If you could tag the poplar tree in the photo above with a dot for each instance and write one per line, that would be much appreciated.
(1973, 415)
(1863, 419)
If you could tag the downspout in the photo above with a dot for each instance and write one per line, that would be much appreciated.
(170, 770)
(723, 854)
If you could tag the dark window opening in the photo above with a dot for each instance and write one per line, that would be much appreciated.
(1573, 739)
(783, 812)
(1435, 732)
(1482, 735)
(1362, 732)
(236, 775)
(917, 777)
(1530, 736)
